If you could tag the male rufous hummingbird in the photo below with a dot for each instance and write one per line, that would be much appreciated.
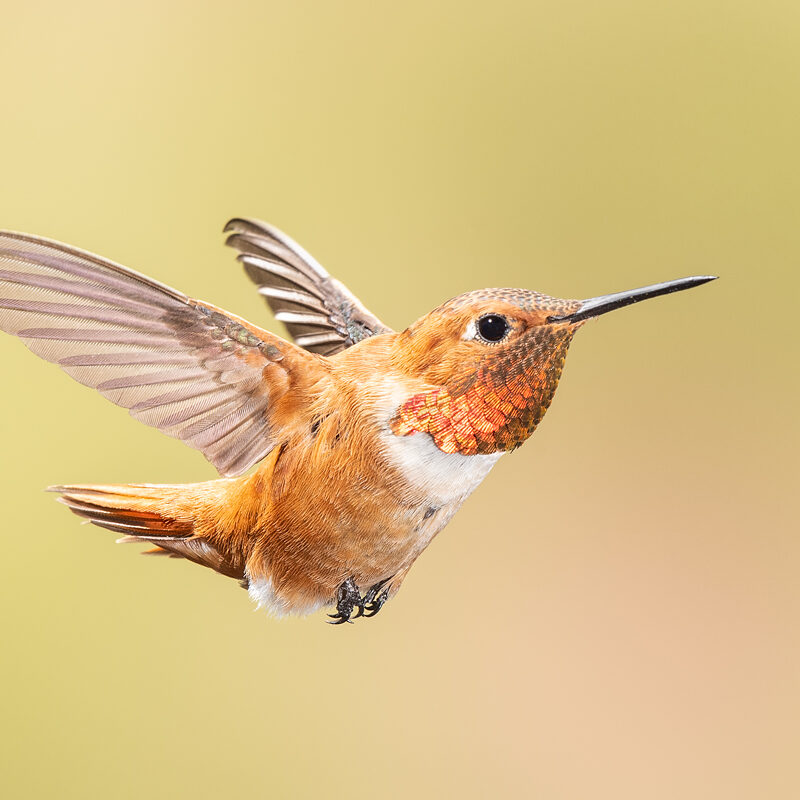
(365, 441)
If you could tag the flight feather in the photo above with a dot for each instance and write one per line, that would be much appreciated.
(319, 312)
(197, 373)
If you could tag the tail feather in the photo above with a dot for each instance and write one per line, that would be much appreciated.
(148, 523)
(148, 514)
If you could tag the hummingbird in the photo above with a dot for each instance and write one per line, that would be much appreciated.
(364, 441)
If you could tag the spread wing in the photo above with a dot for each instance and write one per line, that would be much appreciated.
(178, 364)
(319, 312)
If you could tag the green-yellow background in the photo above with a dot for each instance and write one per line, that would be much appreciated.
(614, 614)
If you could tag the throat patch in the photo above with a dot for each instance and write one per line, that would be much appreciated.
(496, 410)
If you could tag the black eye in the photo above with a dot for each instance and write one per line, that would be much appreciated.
(492, 327)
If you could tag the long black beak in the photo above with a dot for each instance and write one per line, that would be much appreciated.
(609, 302)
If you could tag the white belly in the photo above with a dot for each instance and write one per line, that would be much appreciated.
(263, 594)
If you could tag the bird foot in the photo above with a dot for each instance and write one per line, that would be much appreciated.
(374, 599)
(349, 599)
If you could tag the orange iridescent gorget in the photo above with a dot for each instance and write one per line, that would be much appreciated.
(499, 406)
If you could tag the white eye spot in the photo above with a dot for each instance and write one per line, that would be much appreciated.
(471, 332)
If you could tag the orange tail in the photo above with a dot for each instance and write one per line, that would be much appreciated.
(162, 515)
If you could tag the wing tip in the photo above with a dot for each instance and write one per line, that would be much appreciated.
(234, 223)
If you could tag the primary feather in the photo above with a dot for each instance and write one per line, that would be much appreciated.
(180, 365)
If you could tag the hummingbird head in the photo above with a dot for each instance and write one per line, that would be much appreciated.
(491, 361)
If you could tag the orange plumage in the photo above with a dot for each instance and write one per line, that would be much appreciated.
(365, 441)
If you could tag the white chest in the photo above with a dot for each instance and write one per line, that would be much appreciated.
(445, 479)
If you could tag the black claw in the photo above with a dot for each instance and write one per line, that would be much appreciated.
(374, 607)
(370, 596)
(349, 599)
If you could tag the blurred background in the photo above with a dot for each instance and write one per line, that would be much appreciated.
(614, 613)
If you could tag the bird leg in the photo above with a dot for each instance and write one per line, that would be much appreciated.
(347, 598)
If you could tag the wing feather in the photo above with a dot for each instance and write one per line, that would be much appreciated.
(185, 367)
(319, 312)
